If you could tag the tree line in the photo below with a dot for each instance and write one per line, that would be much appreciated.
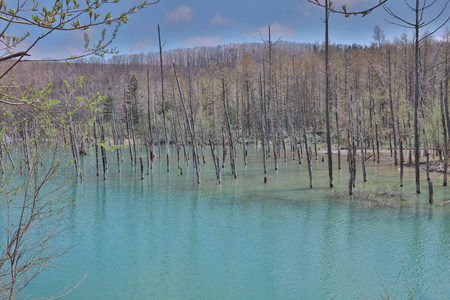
(268, 93)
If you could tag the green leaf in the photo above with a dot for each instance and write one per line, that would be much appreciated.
(76, 23)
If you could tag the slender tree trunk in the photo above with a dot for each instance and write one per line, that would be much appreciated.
(103, 150)
(350, 166)
(180, 128)
(444, 128)
(263, 124)
(374, 109)
(133, 135)
(327, 104)
(128, 130)
(337, 122)
(402, 160)
(116, 139)
(361, 144)
(313, 121)
(272, 129)
(244, 150)
(96, 148)
(191, 125)
(194, 131)
(166, 137)
(149, 117)
(392, 110)
(230, 134)
(307, 150)
(416, 101)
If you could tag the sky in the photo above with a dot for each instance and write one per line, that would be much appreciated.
(191, 23)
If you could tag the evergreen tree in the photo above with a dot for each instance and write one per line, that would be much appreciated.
(108, 106)
(133, 99)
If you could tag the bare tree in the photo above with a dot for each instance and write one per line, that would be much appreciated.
(34, 208)
(418, 8)
(328, 6)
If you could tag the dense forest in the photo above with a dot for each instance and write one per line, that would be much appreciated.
(269, 93)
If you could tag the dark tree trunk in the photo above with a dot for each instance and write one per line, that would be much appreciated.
(327, 104)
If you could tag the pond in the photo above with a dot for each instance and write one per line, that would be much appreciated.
(166, 237)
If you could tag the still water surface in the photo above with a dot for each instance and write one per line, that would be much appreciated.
(165, 237)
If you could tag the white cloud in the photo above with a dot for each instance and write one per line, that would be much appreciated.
(306, 12)
(305, 9)
(219, 20)
(142, 45)
(206, 40)
(276, 31)
(182, 13)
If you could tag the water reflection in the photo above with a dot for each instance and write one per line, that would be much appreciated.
(166, 237)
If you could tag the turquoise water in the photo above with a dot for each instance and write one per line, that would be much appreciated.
(166, 237)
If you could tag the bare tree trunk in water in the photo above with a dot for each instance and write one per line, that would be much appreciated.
(230, 135)
(392, 110)
(416, 100)
(263, 124)
(166, 138)
(327, 104)
(375, 119)
(361, 144)
(337, 122)
(272, 129)
(444, 128)
(149, 116)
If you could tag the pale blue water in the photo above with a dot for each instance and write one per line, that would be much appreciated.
(165, 237)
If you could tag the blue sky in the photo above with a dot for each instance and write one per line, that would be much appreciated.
(207, 23)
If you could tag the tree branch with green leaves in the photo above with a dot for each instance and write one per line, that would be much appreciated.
(60, 15)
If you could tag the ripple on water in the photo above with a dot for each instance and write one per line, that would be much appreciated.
(166, 237)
